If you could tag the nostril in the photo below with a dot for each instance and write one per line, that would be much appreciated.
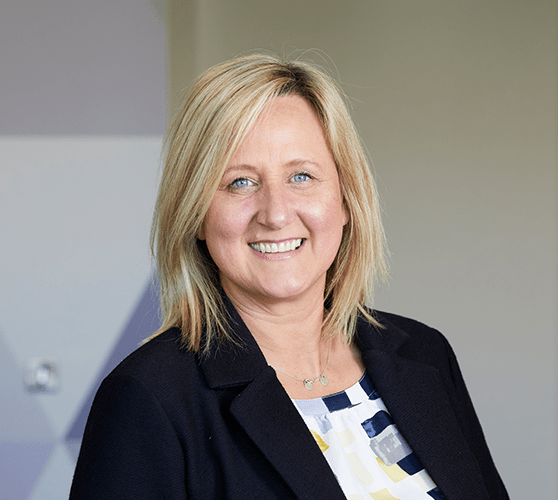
(275, 210)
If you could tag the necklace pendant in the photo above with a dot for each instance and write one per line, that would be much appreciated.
(323, 379)
(308, 384)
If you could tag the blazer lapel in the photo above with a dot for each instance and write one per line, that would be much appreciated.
(267, 415)
(416, 398)
(413, 393)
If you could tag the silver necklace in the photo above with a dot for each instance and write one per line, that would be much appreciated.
(309, 382)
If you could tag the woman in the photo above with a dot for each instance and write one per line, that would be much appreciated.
(269, 377)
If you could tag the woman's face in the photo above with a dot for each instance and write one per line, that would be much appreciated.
(275, 223)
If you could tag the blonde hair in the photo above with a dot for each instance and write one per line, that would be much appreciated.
(212, 122)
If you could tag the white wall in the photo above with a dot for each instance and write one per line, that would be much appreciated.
(456, 102)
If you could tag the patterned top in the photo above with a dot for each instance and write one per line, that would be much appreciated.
(363, 447)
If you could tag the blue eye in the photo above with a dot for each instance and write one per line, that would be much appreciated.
(240, 183)
(301, 177)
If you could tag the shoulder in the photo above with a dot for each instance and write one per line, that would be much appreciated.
(410, 338)
(411, 326)
(133, 441)
(161, 367)
(156, 357)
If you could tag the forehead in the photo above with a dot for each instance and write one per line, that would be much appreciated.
(287, 108)
(288, 124)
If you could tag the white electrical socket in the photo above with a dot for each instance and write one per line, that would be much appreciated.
(41, 375)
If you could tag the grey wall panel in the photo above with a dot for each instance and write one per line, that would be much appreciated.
(79, 67)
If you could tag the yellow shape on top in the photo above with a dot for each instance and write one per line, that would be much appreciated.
(321, 443)
(346, 437)
(383, 495)
(394, 472)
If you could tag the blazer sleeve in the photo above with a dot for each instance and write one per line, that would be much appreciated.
(130, 449)
(472, 430)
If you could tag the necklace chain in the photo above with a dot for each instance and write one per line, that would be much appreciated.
(309, 382)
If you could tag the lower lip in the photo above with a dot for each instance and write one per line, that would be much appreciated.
(279, 255)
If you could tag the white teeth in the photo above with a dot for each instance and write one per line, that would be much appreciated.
(275, 248)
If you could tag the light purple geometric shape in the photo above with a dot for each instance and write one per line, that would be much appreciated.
(73, 446)
(21, 464)
(144, 321)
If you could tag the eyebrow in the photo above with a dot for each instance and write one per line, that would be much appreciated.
(240, 166)
(293, 163)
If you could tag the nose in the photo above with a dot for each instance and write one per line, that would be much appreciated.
(276, 207)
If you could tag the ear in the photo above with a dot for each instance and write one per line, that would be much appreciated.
(201, 232)
(345, 214)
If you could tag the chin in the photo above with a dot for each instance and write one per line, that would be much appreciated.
(286, 291)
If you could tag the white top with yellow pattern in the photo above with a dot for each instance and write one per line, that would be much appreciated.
(363, 447)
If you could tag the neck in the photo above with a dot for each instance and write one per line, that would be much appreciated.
(289, 332)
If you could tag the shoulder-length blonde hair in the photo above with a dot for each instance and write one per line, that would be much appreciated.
(212, 122)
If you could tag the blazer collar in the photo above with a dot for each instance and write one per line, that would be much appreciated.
(234, 363)
(418, 402)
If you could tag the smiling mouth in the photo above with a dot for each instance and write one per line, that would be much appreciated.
(284, 246)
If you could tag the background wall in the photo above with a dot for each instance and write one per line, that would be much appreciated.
(82, 111)
(456, 102)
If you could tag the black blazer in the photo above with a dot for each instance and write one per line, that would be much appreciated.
(168, 424)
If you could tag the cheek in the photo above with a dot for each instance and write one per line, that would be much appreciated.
(217, 231)
(327, 220)
(333, 212)
(224, 225)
